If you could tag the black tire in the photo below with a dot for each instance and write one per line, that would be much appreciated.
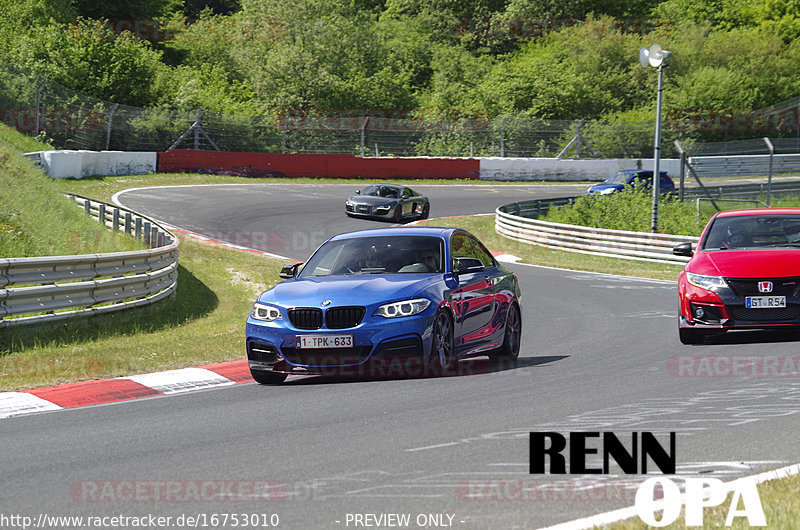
(426, 210)
(690, 336)
(398, 214)
(265, 377)
(509, 350)
(443, 357)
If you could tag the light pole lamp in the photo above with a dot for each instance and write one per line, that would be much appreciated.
(657, 58)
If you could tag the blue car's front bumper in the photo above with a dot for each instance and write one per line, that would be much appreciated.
(381, 347)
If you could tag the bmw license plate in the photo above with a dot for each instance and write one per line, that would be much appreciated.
(323, 341)
(758, 302)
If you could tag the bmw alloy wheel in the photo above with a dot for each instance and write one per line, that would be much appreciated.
(442, 358)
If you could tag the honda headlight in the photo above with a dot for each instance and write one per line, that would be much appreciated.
(710, 283)
(406, 308)
(267, 313)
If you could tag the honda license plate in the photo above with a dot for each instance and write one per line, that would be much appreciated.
(323, 341)
(759, 302)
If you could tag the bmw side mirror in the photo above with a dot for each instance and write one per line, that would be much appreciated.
(683, 249)
(467, 265)
(289, 271)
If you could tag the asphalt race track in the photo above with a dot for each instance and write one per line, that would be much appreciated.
(599, 353)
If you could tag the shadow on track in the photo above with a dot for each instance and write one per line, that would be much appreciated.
(466, 368)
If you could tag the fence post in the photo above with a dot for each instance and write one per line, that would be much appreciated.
(197, 129)
(285, 132)
(38, 99)
(363, 130)
(771, 157)
(108, 132)
(101, 213)
(502, 138)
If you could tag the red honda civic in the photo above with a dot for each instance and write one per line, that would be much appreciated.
(744, 274)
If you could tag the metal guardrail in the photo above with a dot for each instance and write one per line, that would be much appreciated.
(43, 289)
(720, 192)
(510, 221)
(745, 165)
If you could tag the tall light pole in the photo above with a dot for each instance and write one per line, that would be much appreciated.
(657, 58)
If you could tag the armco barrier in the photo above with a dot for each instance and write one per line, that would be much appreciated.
(640, 246)
(41, 289)
(315, 165)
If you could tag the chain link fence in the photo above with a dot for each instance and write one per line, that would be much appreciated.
(70, 120)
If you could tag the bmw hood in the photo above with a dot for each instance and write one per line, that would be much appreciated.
(355, 289)
(772, 263)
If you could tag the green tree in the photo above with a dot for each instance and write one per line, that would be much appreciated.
(89, 57)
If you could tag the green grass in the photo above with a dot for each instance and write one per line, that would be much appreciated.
(36, 219)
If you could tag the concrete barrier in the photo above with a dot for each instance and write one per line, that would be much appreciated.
(79, 164)
(567, 169)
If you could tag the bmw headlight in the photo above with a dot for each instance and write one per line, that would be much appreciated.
(264, 312)
(710, 283)
(607, 191)
(406, 308)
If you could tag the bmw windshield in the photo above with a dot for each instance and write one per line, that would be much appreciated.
(377, 255)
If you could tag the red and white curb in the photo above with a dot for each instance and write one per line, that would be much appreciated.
(103, 391)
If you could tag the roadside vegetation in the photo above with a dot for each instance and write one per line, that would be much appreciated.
(36, 219)
(484, 59)
(632, 210)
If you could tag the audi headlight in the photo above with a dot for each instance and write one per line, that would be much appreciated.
(383, 208)
(406, 308)
(710, 283)
(264, 312)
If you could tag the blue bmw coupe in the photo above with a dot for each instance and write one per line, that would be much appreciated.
(407, 301)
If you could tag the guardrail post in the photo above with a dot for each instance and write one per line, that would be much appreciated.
(128, 221)
(87, 207)
(147, 233)
(153, 237)
(115, 220)
(137, 228)
(101, 213)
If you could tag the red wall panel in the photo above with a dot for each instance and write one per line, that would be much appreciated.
(315, 165)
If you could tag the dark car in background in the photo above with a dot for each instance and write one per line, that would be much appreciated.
(630, 177)
(389, 202)
(744, 274)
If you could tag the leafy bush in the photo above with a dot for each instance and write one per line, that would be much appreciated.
(629, 210)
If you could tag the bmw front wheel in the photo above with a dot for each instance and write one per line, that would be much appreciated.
(442, 357)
